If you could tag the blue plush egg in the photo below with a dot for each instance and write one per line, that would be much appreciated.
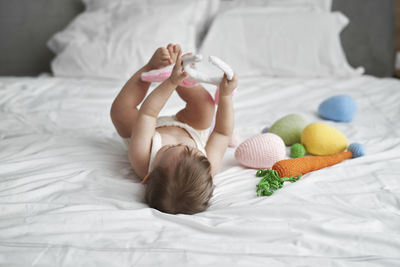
(357, 149)
(340, 108)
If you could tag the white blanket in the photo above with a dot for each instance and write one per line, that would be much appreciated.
(68, 196)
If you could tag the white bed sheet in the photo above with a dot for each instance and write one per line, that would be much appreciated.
(68, 196)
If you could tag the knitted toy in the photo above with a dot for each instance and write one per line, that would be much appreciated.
(292, 169)
(265, 130)
(297, 151)
(322, 139)
(338, 108)
(271, 182)
(289, 128)
(261, 151)
(297, 166)
(201, 77)
(195, 76)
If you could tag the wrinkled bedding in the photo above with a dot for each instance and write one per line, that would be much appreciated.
(68, 196)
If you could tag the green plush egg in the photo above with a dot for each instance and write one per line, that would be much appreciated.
(297, 151)
(322, 139)
(289, 128)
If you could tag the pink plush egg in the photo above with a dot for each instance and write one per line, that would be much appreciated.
(261, 151)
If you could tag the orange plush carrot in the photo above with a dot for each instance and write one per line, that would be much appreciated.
(296, 166)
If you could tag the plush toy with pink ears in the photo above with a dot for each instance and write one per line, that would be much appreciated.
(195, 77)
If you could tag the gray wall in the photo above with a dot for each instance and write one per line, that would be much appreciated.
(26, 25)
(369, 39)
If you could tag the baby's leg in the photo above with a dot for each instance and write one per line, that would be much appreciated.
(199, 109)
(124, 108)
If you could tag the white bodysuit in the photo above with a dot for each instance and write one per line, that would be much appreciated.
(199, 136)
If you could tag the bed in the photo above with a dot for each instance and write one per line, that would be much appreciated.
(68, 196)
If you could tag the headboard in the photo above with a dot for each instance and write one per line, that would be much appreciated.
(26, 25)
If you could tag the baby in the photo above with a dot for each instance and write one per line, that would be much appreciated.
(174, 156)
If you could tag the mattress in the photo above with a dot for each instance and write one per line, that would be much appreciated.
(68, 196)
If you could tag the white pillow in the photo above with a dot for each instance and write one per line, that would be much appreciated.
(203, 18)
(265, 41)
(112, 39)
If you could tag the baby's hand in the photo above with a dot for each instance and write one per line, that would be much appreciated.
(226, 87)
(178, 73)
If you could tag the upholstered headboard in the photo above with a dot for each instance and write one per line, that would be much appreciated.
(26, 25)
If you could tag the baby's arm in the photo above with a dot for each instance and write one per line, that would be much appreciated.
(220, 136)
(143, 130)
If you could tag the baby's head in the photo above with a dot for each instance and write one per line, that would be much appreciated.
(180, 181)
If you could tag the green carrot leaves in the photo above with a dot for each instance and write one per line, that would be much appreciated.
(271, 182)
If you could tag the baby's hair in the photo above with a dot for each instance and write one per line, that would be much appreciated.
(186, 189)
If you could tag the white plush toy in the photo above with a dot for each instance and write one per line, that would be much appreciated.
(194, 75)
(203, 78)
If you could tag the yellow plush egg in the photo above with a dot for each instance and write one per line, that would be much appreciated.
(322, 139)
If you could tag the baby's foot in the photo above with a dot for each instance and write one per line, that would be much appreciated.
(161, 58)
(173, 50)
